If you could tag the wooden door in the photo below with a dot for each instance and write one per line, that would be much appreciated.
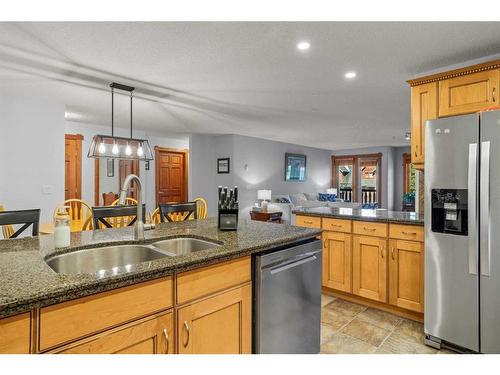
(423, 107)
(147, 336)
(337, 261)
(15, 334)
(73, 166)
(406, 274)
(369, 273)
(469, 93)
(129, 167)
(171, 175)
(221, 324)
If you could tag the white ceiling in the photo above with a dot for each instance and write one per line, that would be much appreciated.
(242, 78)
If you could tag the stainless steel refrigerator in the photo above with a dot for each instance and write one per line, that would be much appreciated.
(462, 232)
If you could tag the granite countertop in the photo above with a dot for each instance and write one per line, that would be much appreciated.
(27, 282)
(384, 216)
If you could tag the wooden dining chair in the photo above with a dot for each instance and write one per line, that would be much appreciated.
(155, 216)
(103, 216)
(177, 211)
(123, 221)
(24, 217)
(80, 214)
(201, 207)
(109, 198)
(7, 230)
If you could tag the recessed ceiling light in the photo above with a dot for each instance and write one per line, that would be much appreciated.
(303, 46)
(350, 75)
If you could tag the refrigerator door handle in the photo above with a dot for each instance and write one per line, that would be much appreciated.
(472, 197)
(484, 207)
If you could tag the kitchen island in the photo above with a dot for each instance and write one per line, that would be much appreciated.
(372, 257)
(148, 307)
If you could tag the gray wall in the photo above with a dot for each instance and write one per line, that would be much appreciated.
(255, 164)
(392, 172)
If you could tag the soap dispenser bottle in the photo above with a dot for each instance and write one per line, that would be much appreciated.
(62, 230)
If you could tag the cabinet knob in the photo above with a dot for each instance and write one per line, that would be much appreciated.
(382, 252)
(493, 94)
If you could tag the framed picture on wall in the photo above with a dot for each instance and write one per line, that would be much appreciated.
(110, 167)
(223, 165)
(295, 167)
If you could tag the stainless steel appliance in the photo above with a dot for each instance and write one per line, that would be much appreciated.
(462, 232)
(287, 300)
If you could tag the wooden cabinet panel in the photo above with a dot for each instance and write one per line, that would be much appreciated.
(423, 107)
(369, 228)
(71, 320)
(337, 261)
(369, 274)
(15, 335)
(308, 221)
(468, 93)
(337, 225)
(154, 335)
(406, 232)
(220, 324)
(406, 274)
(208, 280)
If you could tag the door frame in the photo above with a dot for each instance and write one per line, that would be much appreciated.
(79, 138)
(97, 177)
(185, 152)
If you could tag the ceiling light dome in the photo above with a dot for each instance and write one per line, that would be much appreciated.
(303, 46)
(350, 75)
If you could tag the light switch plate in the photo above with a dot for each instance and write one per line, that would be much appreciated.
(47, 189)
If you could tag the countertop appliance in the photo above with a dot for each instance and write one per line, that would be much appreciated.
(287, 300)
(462, 236)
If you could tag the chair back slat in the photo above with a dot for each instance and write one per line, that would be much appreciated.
(8, 230)
(177, 211)
(80, 214)
(113, 216)
(25, 217)
(201, 207)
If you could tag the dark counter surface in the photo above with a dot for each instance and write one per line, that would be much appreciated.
(26, 281)
(384, 216)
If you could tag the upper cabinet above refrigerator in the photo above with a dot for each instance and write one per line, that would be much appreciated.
(456, 92)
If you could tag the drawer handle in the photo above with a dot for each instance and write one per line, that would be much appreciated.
(493, 94)
(336, 225)
(308, 222)
(186, 328)
(392, 254)
(382, 252)
(167, 343)
(324, 243)
(370, 229)
(409, 233)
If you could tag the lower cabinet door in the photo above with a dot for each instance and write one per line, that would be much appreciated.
(153, 335)
(369, 273)
(337, 261)
(406, 274)
(15, 335)
(221, 324)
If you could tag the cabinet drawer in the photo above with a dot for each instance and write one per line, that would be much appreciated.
(370, 229)
(406, 232)
(15, 334)
(82, 317)
(207, 280)
(308, 221)
(337, 225)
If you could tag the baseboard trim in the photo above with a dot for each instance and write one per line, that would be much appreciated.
(412, 315)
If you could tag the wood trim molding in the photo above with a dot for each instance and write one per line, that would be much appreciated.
(184, 151)
(74, 136)
(495, 64)
(96, 182)
(406, 165)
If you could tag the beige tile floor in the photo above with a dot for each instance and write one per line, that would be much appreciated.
(349, 328)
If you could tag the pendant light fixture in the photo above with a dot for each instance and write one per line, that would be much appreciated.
(112, 147)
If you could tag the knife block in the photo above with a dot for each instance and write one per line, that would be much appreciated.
(228, 219)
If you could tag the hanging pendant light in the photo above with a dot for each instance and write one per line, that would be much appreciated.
(112, 147)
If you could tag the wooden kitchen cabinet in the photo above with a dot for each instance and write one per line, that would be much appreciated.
(369, 273)
(424, 105)
(468, 93)
(15, 334)
(218, 324)
(307, 221)
(406, 274)
(337, 261)
(152, 335)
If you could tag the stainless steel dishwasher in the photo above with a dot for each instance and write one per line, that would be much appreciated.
(287, 299)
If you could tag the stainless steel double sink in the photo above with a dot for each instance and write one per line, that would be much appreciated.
(102, 259)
